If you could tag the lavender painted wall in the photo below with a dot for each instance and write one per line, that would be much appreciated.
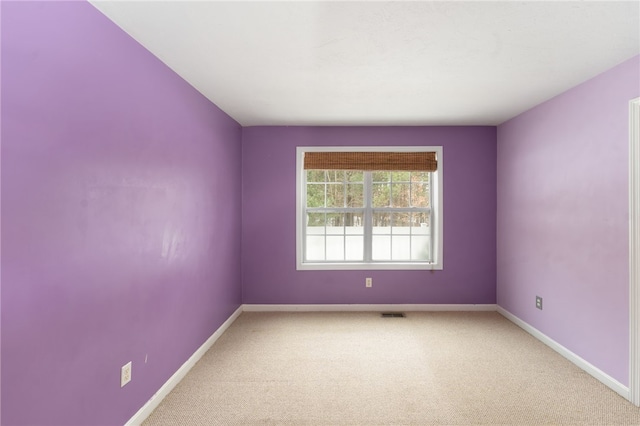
(120, 217)
(563, 217)
(268, 219)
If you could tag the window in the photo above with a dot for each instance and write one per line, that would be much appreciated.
(369, 207)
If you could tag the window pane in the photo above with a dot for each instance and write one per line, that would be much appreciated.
(420, 195)
(401, 223)
(335, 195)
(354, 248)
(381, 223)
(380, 195)
(315, 247)
(400, 176)
(400, 195)
(420, 224)
(355, 197)
(419, 176)
(380, 176)
(335, 176)
(315, 175)
(354, 176)
(315, 195)
(315, 220)
(353, 223)
(335, 223)
(401, 248)
(335, 247)
(381, 249)
(420, 248)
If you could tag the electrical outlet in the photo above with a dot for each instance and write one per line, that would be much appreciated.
(368, 282)
(125, 374)
(539, 302)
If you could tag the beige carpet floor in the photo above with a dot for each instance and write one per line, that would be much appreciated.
(430, 368)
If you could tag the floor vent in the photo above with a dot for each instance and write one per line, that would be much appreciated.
(392, 315)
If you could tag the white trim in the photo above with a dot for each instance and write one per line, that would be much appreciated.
(438, 201)
(368, 308)
(299, 203)
(361, 266)
(589, 368)
(157, 398)
(634, 251)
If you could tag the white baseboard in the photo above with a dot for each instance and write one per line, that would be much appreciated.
(366, 308)
(589, 368)
(157, 398)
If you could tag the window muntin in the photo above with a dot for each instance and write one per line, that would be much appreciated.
(356, 219)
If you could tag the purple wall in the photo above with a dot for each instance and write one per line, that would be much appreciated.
(563, 217)
(268, 219)
(120, 217)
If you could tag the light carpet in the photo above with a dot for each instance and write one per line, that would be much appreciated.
(430, 368)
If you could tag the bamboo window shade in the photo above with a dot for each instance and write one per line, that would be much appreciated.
(406, 161)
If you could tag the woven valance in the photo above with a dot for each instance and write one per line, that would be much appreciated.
(408, 161)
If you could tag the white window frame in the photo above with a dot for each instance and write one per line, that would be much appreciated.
(437, 211)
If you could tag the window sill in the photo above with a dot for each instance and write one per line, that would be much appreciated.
(367, 266)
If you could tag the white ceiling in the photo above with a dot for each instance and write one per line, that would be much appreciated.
(381, 63)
